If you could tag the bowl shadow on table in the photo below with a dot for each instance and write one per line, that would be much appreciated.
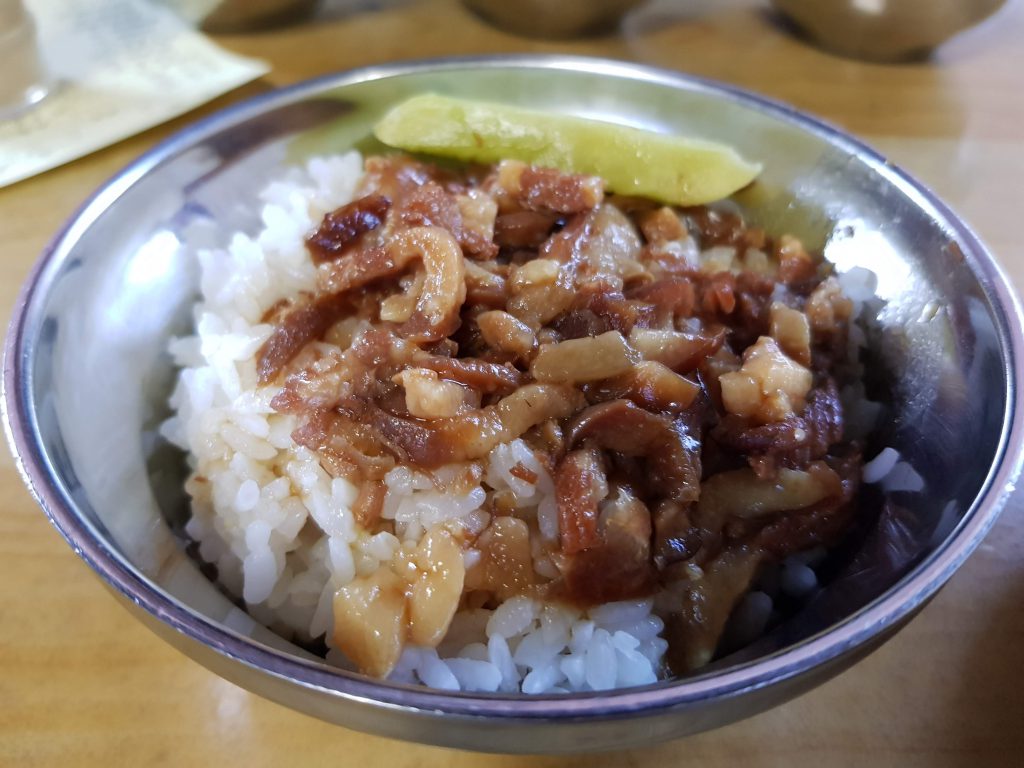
(332, 10)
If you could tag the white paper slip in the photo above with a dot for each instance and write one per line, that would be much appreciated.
(120, 66)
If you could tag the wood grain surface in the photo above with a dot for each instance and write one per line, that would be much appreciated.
(81, 683)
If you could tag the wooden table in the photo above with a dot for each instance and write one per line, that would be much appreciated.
(81, 683)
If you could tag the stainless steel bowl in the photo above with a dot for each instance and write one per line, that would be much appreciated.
(543, 18)
(231, 16)
(879, 30)
(86, 380)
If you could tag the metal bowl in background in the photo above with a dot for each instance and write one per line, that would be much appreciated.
(86, 380)
(885, 30)
(561, 19)
(231, 16)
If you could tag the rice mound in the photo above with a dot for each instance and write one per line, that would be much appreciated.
(280, 529)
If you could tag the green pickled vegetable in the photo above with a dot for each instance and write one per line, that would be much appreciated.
(672, 169)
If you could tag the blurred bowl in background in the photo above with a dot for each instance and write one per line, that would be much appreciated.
(885, 30)
(560, 19)
(229, 16)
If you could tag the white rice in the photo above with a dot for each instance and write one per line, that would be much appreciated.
(892, 472)
(280, 529)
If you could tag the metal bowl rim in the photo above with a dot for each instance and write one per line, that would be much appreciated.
(887, 611)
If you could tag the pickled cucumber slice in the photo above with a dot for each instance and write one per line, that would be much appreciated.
(671, 169)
